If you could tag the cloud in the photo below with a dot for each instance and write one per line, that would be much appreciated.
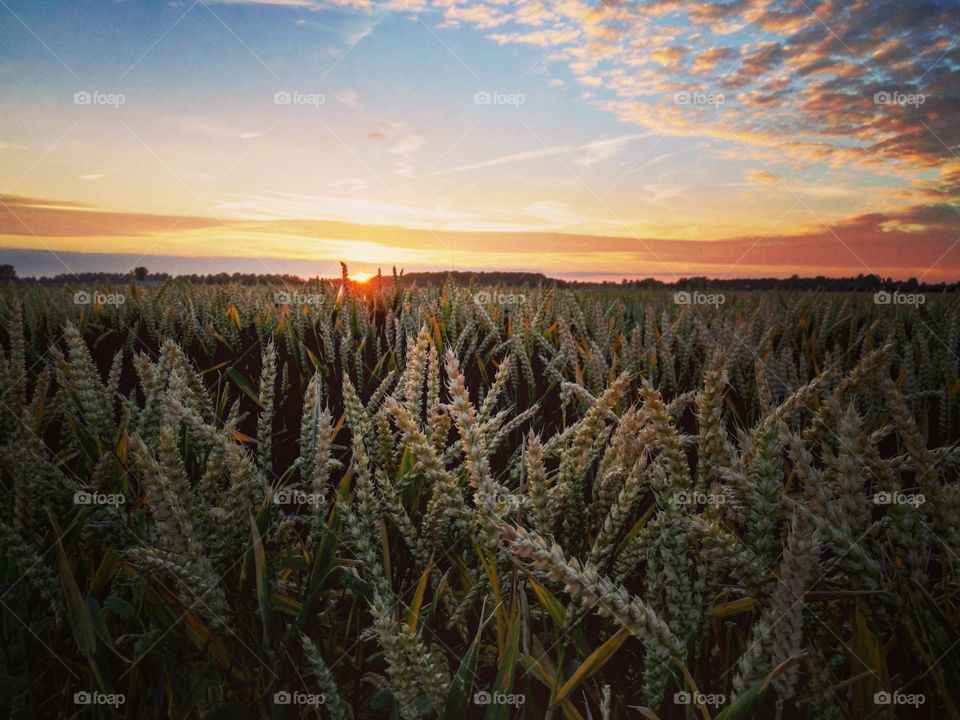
(195, 125)
(350, 183)
(669, 57)
(295, 207)
(349, 97)
(593, 152)
(403, 141)
(758, 177)
(707, 61)
(56, 218)
(407, 146)
(804, 80)
(601, 150)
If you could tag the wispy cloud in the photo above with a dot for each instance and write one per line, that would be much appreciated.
(592, 152)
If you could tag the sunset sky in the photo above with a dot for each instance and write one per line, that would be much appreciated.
(578, 139)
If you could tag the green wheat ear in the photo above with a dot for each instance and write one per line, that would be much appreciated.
(268, 379)
(595, 499)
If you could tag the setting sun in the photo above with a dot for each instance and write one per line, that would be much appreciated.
(361, 277)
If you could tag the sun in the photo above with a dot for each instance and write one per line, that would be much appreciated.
(361, 277)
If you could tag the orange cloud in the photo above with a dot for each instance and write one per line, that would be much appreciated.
(45, 218)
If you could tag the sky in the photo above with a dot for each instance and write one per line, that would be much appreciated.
(601, 140)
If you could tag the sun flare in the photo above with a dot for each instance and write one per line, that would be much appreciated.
(361, 277)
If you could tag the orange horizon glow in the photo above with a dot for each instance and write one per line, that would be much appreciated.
(361, 277)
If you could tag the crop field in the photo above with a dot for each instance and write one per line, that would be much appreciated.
(357, 501)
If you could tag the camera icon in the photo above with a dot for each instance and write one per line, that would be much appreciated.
(681, 298)
(82, 297)
(482, 698)
(281, 298)
(82, 698)
(282, 697)
(681, 98)
(284, 496)
(82, 98)
(882, 298)
(683, 498)
(282, 98)
(883, 498)
(682, 698)
(881, 98)
(82, 497)
(482, 98)
(882, 698)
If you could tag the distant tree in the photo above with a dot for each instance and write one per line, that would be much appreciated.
(7, 273)
(140, 273)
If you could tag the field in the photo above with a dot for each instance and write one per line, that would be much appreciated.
(346, 501)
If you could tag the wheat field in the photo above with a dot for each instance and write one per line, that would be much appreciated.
(334, 501)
